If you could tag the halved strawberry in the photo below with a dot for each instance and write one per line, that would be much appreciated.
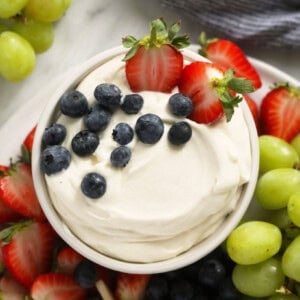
(56, 286)
(67, 260)
(131, 286)
(28, 141)
(154, 62)
(210, 90)
(280, 112)
(229, 55)
(254, 109)
(17, 192)
(27, 249)
(10, 289)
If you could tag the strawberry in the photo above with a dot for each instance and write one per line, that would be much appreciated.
(17, 191)
(10, 289)
(67, 260)
(56, 286)
(27, 249)
(253, 108)
(28, 141)
(280, 112)
(131, 286)
(154, 62)
(211, 91)
(227, 55)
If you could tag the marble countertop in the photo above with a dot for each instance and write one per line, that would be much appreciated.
(91, 26)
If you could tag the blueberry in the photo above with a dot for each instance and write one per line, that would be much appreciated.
(54, 135)
(120, 156)
(180, 105)
(132, 103)
(122, 133)
(85, 143)
(73, 104)
(180, 133)
(181, 290)
(108, 95)
(157, 288)
(85, 274)
(149, 128)
(211, 273)
(54, 159)
(93, 185)
(97, 119)
(227, 291)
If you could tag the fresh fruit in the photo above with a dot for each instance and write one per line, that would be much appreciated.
(154, 62)
(56, 286)
(275, 153)
(259, 280)
(17, 57)
(296, 143)
(179, 133)
(85, 143)
(93, 185)
(254, 109)
(17, 191)
(123, 133)
(149, 128)
(180, 105)
(274, 188)
(157, 288)
(120, 156)
(85, 274)
(11, 8)
(27, 249)
(67, 259)
(280, 112)
(39, 34)
(28, 141)
(131, 286)
(293, 208)
(181, 289)
(210, 90)
(132, 103)
(97, 119)
(44, 10)
(108, 95)
(54, 159)
(253, 242)
(229, 55)
(73, 104)
(10, 289)
(291, 260)
(54, 135)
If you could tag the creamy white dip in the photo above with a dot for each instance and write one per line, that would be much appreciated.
(167, 198)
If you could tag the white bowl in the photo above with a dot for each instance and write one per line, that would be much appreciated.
(196, 252)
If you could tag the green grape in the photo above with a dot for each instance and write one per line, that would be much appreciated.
(9, 8)
(291, 260)
(253, 242)
(275, 153)
(280, 218)
(283, 297)
(17, 57)
(2, 28)
(296, 143)
(45, 10)
(67, 3)
(259, 280)
(293, 209)
(275, 187)
(39, 34)
(297, 288)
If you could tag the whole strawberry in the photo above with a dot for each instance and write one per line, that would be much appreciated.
(154, 62)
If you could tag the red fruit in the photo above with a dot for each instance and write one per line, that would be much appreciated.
(28, 141)
(10, 289)
(131, 286)
(17, 192)
(227, 54)
(280, 112)
(67, 260)
(28, 250)
(253, 108)
(154, 62)
(210, 90)
(56, 286)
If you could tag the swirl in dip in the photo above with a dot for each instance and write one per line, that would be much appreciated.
(168, 198)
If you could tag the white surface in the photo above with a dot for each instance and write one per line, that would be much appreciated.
(92, 26)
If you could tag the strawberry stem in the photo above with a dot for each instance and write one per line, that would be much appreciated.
(204, 42)
(7, 233)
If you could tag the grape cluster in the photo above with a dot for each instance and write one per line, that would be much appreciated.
(26, 29)
(267, 251)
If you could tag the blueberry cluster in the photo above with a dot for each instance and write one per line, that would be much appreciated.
(206, 279)
(149, 128)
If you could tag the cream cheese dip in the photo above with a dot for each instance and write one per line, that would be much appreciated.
(168, 198)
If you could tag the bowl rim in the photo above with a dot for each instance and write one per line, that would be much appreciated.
(190, 256)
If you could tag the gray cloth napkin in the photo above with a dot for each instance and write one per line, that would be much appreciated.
(251, 23)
